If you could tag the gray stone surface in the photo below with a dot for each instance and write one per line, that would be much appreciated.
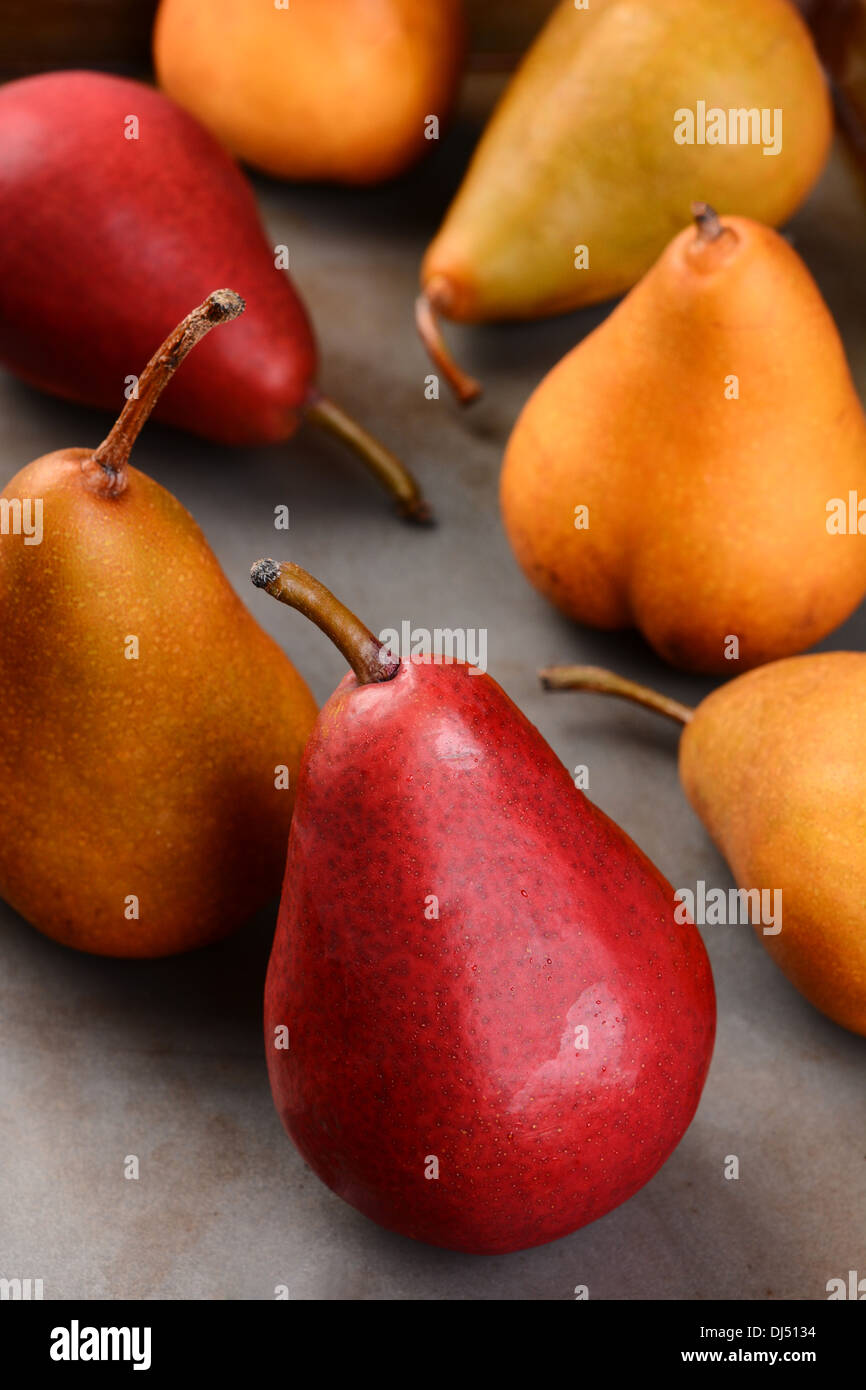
(100, 1059)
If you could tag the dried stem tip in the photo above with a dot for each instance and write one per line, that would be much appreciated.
(368, 658)
(105, 469)
(707, 221)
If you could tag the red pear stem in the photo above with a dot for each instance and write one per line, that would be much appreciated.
(607, 683)
(465, 387)
(707, 221)
(106, 468)
(391, 473)
(368, 657)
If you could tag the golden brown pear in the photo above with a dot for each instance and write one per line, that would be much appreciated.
(145, 711)
(774, 763)
(711, 431)
(619, 117)
(315, 89)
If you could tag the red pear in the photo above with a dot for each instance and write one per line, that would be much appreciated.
(484, 1026)
(114, 198)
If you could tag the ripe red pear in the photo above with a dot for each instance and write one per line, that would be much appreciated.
(113, 198)
(497, 1031)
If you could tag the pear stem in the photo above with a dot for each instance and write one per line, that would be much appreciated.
(391, 473)
(707, 221)
(106, 468)
(368, 657)
(607, 683)
(465, 387)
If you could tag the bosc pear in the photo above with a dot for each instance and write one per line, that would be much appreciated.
(696, 467)
(623, 113)
(146, 777)
(342, 90)
(497, 1029)
(774, 763)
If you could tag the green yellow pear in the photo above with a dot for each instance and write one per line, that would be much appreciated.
(152, 731)
(696, 467)
(622, 113)
(774, 763)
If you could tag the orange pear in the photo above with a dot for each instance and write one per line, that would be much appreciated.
(152, 730)
(341, 90)
(774, 763)
(696, 467)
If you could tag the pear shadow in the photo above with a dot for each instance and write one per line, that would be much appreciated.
(597, 726)
(627, 653)
(832, 246)
(615, 1256)
(329, 488)
(158, 1007)
(498, 354)
(503, 348)
(850, 637)
(320, 475)
(77, 425)
(405, 208)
